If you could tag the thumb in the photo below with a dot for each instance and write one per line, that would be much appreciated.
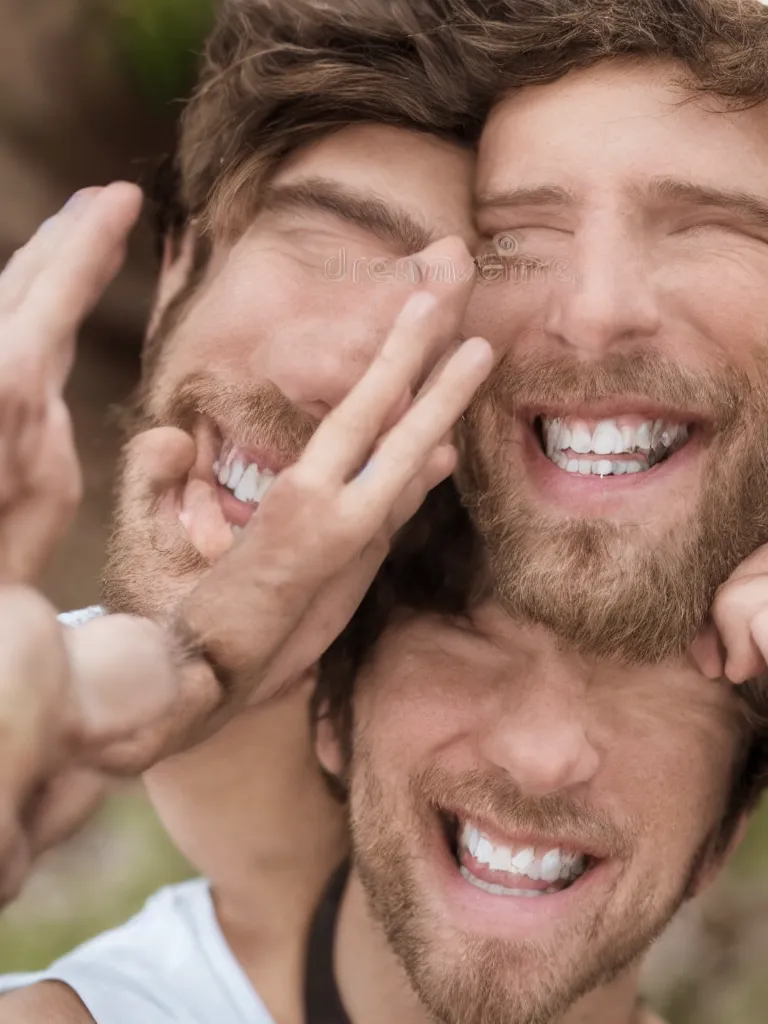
(157, 462)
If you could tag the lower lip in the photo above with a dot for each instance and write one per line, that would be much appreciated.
(237, 513)
(602, 496)
(511, 918)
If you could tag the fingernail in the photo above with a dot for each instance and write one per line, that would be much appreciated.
(417, 308)
(48, 224)
(480, 350)
(80, 200)
(366, 470)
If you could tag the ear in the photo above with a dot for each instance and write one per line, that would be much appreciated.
(327, 746)
(178, 259)
(714, 865)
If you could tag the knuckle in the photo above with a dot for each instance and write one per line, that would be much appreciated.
(738, 598)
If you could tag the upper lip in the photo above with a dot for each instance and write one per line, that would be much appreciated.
(611, 409)
(264, 455)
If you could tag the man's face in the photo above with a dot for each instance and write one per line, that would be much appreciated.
(524, 822)
(284, 323)
(619, 466)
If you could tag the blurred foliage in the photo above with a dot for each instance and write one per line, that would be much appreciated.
(97, 882)
(160, 42)
(712, 972)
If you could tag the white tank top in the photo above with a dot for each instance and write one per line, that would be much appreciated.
(170, 963)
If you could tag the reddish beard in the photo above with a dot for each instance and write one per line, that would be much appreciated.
(149, 571)
(600, 585)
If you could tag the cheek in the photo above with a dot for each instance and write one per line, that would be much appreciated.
(406, 728)
(671, 773)
(252, 314)
(509, 313)
(722, 297)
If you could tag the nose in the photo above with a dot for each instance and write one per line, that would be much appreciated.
(325, 356)
(606, 301)
(340, 327)
(542, 742)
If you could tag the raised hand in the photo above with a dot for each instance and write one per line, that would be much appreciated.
(46, 291)
(734, 643)
(268, 609)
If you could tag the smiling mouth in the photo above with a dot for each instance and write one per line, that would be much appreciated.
(514, 869)
(240, 474)
(622, 445)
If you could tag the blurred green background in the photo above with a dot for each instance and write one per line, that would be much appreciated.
(89, 91)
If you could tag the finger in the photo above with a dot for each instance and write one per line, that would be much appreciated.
(732, 612)
(124, 680)
(759, 633)
(45, 502)
(707, 653)
(440, 465)
(157, 463)
(74, 278)
(34, 675)
(425, 327)
(27, 262)
(63, 807)
(408, 446)
(15, 860)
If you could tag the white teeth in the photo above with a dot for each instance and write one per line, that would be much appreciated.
(523, 860)
(563, 441)
(474, 840)
(552, 866)
(484, 851)
(236, 474)
(643, 436)
(502, 890)
(597, 467)
(248, 487)
(499, 860)
(606, 439)
(581, 440)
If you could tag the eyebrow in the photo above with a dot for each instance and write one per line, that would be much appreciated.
(745, 205)
(538, 195)
(392, 224)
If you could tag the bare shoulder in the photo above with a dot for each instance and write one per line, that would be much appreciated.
(49, 1002)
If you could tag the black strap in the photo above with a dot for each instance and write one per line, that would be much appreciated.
(322, 1001)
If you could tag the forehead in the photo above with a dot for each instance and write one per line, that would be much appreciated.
(429, 178)
(620, 123)
(461, 660)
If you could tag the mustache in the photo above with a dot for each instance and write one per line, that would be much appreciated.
(716, 396)
(495, 798)
(251, 415)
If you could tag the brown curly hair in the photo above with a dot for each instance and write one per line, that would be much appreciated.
(278, 74)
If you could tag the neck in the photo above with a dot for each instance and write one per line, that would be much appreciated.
(251, 812)
(375, 988)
